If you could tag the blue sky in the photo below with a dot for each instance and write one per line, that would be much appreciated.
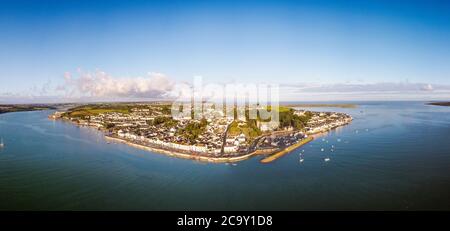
(288, 42)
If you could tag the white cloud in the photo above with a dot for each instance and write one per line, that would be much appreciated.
(101, 85)
(427, 87)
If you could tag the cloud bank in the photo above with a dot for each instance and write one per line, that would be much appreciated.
(101, 85)
(367, 87)
(366, 91)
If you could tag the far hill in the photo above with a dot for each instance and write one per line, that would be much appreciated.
(24, 107)
(440, 103)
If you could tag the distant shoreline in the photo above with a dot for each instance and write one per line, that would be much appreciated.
(322, 105)
(23, 108)
(445, 104)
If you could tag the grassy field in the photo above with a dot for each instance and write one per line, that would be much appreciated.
(95, 110)
(248, 131)
(279, 108)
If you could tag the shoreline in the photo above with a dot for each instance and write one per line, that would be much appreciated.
(442, 104)
(270, 155)
(177, 154)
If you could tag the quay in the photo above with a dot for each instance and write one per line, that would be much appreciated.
(286, 150)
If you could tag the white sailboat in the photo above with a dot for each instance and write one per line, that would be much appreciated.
(1, 143)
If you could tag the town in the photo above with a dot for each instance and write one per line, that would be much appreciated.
(215, 137)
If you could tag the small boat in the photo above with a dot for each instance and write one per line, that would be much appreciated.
(326, 159)
(322, 149)
(301, 160)
(2, 144)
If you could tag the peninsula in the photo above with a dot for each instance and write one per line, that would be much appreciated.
(440, 104)
(150, 126)
(23, 107)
